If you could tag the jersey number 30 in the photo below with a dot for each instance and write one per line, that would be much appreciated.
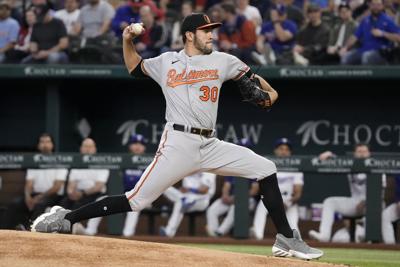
(209, 94)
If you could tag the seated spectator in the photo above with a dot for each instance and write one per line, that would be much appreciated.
(250, 12)
(325, 5)
(237, 35)
(176, 36)
(16, 10)
(49, 38)
(278, 35)
(43, 188)
(150, 43)
(340, 32)
(226, 203)
(291, 187)
(390, 215)
(294, 13)
(69, 15)
(312, 41)
(194, 195)
(85, 186)
(136, 146)
(95, 19)
(21, 49)
(124, 16)
(352, 206)
(376, 34)
(9, 29)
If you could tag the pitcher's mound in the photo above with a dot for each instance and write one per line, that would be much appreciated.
(37, 249)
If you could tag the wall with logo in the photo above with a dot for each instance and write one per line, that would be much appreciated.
(317, 115)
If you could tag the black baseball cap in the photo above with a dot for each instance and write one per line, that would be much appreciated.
(197, 21)
(137, 138)
(283, 141)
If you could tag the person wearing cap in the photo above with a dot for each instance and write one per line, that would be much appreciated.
(190, 81)
(291, 187)
(237, 35)
(278, 35)
(312, 40)
(225, 204)
(137, 147)
(377, 32)
(49, 38)
(294, 13)
(340, 32)
(9, 29)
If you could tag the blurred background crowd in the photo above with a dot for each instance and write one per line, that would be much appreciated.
(260, 32)
(338, 218)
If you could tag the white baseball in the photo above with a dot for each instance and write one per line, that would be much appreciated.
(136, 28)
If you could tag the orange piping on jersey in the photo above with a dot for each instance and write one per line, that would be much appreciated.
(194, 76)
(241, 73)
(151, 168)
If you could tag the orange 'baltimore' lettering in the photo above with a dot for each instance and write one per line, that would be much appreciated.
(194, 76)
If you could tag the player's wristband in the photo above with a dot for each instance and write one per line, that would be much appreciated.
(194, 190)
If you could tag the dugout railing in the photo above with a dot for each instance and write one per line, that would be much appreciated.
(374, 167)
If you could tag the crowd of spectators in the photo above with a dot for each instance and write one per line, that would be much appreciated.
(260, 32)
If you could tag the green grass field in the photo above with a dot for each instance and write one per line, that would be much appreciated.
(352, 257)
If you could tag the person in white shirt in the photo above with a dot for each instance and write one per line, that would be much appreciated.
(352, 206)
(85, 186)
(69, 15)
(250, 12)
(43, 188)
(291, 187)
(194, 195)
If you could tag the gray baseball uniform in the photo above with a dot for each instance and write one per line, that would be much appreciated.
(191, 87)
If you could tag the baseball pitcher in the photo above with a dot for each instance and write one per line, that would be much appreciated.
(191, 81)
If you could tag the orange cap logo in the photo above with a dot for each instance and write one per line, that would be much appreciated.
(207, 19)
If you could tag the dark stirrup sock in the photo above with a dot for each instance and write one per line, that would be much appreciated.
(272, 199)
(104, 207)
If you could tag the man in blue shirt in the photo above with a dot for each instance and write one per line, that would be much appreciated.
(125, 15)
(280, 33)
(376, 32)
(9, 29)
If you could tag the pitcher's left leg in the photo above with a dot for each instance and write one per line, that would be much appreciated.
(228, 159)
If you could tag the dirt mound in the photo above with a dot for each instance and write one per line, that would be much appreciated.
(35, 249)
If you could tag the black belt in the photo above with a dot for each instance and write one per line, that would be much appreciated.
(203, 132)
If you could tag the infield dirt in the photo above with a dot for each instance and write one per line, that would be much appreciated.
(48, 250)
